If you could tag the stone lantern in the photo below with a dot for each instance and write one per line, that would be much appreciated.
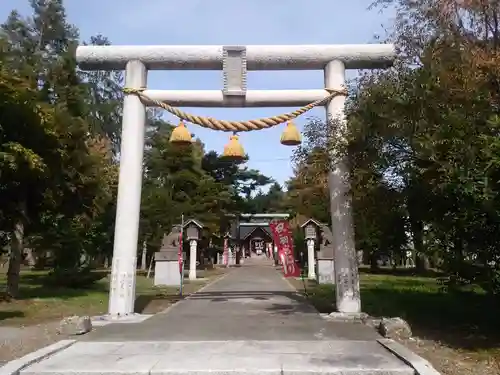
(311, 231)
(193, 230)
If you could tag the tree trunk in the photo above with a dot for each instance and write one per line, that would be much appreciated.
(374, 261)
(421, 259)
(16, 256)
(144, 256)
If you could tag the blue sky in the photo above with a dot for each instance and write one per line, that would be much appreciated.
(230, 22)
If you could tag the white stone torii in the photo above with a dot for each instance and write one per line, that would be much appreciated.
(234, 61)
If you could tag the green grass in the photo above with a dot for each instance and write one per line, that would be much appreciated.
(468, 319)
(38, 303)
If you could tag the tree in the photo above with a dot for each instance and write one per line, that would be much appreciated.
(175, 184)
(308, 189)
(240, 182)
(429, 126)
(104, 99)
(23, 167)
(57, 177)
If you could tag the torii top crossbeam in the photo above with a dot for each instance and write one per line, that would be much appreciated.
(258, 57)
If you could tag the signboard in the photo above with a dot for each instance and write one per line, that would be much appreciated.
(283, 239)
(310, 231)
(259, 246)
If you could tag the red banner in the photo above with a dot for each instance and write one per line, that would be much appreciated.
(283, 239)
(225, 254)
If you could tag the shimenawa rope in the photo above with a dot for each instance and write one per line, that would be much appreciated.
(234, 126)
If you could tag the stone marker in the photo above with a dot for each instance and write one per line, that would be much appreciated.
(326, 268)
(167, 260)
(75, 325)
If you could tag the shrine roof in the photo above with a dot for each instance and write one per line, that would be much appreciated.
(247, 231)
(311, 220)
(195, 222)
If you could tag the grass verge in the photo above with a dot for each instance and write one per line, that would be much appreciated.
(465, 320)
(39, 303)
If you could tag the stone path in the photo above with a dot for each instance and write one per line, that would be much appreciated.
(251, 321)
(253, 302)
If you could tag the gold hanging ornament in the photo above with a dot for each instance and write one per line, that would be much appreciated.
(181, 135)
(234, 150)
(291, 135)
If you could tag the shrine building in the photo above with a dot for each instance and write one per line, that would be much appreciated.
(253, 233)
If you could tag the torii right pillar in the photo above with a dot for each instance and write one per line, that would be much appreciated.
(348, 300)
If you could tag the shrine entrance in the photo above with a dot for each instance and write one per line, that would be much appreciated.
(235, 62)
(252, 234)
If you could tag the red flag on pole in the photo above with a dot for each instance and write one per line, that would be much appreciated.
(282, 236)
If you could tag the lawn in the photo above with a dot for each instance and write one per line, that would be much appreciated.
(466, 320)
(39, 303)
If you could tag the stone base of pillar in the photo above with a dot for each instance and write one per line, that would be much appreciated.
(326, 271)
(103, 320)
(347, 317)
(167, 273)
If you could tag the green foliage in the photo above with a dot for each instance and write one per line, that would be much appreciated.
(420, 301)
(59, 138)
(299, 245)
(422, 145)
(272, 201)
(83, 278)
(57, 175)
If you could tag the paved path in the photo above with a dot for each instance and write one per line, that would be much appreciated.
(250, 322)
(253, 302)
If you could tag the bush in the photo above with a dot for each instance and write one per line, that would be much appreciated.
(82, 278)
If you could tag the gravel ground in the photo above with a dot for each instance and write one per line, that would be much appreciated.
(16, 342)
(450, 361)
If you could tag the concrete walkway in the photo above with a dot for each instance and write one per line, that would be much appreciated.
(253, 302)
(251, 321)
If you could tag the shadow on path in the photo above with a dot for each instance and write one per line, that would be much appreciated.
(249, 303)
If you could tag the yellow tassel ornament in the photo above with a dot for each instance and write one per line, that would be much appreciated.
(181, 135)
(234, 150)
(291, 135)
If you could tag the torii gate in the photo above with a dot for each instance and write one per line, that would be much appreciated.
(234, 61)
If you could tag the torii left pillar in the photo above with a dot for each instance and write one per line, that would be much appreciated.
(123, 275)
